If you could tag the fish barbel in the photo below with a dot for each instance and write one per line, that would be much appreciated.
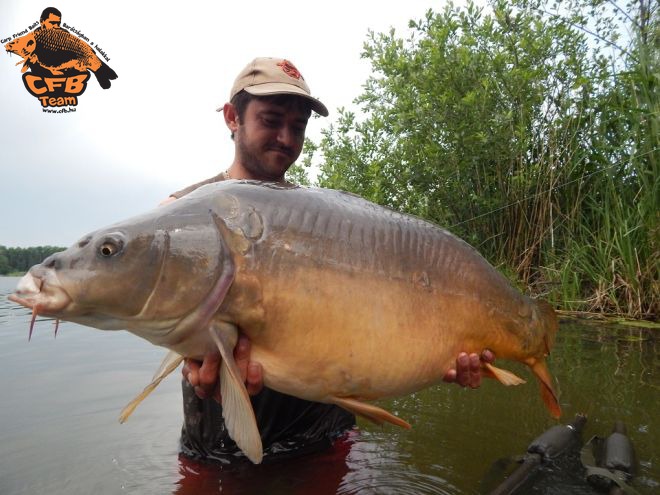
(344, 301)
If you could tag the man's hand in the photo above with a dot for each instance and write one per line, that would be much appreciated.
(468, 369)
(204, 376)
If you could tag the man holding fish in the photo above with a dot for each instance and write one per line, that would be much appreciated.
(270, 104)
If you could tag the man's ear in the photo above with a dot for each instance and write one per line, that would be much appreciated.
(231, 117)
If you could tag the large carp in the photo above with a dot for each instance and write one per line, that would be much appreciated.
(344, 301)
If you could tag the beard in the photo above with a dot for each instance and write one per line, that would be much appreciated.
(253, 161)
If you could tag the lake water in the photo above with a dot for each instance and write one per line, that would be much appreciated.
(60, 400)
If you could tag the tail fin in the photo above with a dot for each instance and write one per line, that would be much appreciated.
(104, 74)
(549, 324)
(548, 393)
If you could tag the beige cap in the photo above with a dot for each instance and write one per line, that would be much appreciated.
(272, 76)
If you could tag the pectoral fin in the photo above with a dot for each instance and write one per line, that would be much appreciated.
(370, 412)
(548, 393)
(236, 407)
(170, 363)
(503, 376)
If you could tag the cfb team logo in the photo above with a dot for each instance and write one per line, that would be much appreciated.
(56, 63)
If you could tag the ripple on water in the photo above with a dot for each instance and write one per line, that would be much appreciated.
(377, 467)
(10, 311)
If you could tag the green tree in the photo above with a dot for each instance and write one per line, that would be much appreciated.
(17, 259)
(522, 130)
(4, 261)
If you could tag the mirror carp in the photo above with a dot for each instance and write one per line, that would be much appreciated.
(344, 301)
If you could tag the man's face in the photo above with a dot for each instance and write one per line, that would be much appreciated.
(52, 22)
(270, 138)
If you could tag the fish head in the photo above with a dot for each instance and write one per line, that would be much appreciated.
(146, 274)
(23, 46)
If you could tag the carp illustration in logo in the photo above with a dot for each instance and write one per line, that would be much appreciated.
(58, 50)
(50, 51)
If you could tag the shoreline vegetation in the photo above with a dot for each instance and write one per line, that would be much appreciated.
(599, 319)
(16, 261)
(531, 129)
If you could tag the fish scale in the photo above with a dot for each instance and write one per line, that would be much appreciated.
(58, 39)
(58, 47)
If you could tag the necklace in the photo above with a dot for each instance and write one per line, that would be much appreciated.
(225, 175)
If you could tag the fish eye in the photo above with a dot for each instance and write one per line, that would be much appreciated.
(109, 248)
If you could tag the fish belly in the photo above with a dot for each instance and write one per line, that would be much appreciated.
(330, 335)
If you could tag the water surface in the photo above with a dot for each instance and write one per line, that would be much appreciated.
(60, 399)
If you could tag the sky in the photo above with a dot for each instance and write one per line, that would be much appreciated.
(156, 130)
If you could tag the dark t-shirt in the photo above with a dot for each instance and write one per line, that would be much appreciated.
(288, 426)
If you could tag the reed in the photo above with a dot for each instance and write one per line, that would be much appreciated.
(523, 137)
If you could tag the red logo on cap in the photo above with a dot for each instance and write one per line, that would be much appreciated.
(290, 69)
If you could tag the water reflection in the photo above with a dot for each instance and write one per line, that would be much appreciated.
(375, 468)
(357, 463)
(320, 473)
(61, 398)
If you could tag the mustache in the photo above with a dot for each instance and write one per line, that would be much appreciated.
(283, 149)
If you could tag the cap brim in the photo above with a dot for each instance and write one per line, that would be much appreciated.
(287, 89)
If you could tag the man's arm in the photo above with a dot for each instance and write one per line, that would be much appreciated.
(204, 376)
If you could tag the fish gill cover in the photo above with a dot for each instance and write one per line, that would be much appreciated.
(56, 64)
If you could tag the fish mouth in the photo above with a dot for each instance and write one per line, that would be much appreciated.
(43, 295)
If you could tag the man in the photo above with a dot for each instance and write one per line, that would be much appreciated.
(270, 104)
(51, 18)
